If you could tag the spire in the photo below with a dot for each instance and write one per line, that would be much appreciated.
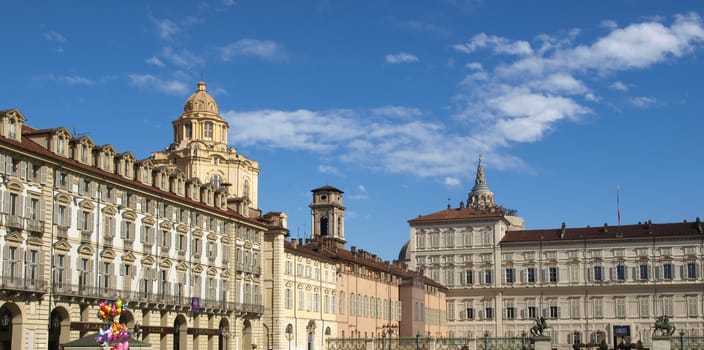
(481, 196)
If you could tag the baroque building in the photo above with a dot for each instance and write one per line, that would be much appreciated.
(168, 235)
(320, 294)
(590, 283)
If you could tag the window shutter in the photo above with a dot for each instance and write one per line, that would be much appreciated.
(69, 183)
(557, 274)
(68, 216)
(523, 313)
(42, 175)
(658, 271)
(481, 277)
(635, 273)
(81, 220)
(2, 163)
(67, 271)
(8, 165)
(42, 210)
(23, 170)
(89, 281)
(559, 313)
(544, 275)
(523, 276)
(123, 230)
(569, 338)
(27, 207)
(625, 273)
(683, 272)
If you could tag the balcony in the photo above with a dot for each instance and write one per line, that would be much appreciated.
(128, 244)
(35, 226)
(250, 310)
(86, 236)
(16, 222)
(61, 232)
(21, 284)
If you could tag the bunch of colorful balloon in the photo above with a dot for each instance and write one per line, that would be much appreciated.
(115, 334)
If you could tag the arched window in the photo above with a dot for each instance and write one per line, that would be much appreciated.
(11, 130)
(208, 131)
(245, 189)
(324, 226)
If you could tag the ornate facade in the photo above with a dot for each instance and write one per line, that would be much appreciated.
(82, 223)
(590, 283)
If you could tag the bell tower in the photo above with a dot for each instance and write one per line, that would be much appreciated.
(328, 215)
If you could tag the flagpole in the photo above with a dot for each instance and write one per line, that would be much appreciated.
(618, 204)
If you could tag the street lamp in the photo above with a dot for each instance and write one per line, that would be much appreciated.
(486, 340)
(523, 340)
(289, 334)
(5, 319)
(138, 331)
(681, 339)
(225, 334)
(55, 322)
(417, 340)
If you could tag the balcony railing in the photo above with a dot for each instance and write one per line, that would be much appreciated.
(34, 285)
(128, 244)
(61, 232)
(86, 236)
(15, 222)
(35, 226)
(250, 308)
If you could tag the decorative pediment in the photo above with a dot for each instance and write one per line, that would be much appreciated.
(108, 254)
(165, 225)
(198, 268)
(198, 233)
(212, 272)
(107, 149)
(127, 156)
(86, 205)
(14, 186)
(129, 257)
(86, 250)
(62, 132)
(226, 274)
(63, 198)
(129, 214)
(225, 240)
(148, 260)
(212, 237)
(34, 241)
(14, 237)
(182, 266)
(109, 210)
(182, 228)
(165, 263)
(62, 245)
(85, 141)
(289, 284)
(148, 221)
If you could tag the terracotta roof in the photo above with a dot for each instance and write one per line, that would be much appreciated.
(361, 257)
(29, 145)
(458, 214)
(637, 231)
(326, 188)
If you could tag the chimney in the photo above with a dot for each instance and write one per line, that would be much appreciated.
(294, 243)
(300, 241)
(606, 227)
(353, 249)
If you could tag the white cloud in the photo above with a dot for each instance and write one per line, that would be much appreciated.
(171, 87)
(328, 169)
(68, 79)
(155, 61)
(54, 36)
(264, 49)
(397, 111)
(451, 181)
(183, 57)
(620, 86)
(165, 28)
(643, 102)
(497, 44)
(608, 24)
(474, 65)
(401, 57)
(361, 188)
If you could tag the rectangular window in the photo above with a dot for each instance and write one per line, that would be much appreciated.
(489, 312)
(532, 310)
(644, 307)
(530, 275)
(668, 307)
(620, 272)
(470, 313)
(598, 304)
(692, 306)
(643, 272)
(510, 311)
(692, 270)
(598, 273)
(668, 271)
(301, 300)
(487, 276)
(620, 307)
(510, 275)
(553, 275)
(574, 308)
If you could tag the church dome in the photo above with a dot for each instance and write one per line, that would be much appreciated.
(201, 101)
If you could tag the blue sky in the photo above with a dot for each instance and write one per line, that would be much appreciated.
(391, 101)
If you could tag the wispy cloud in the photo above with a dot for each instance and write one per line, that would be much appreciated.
(171, 87)
(183, 57)
(424, 26)
(55, 37)
(397, 112)
(618, 85)
(402, 57)
(155, 61)
(263, 49)
(360, 193)
(329, 169)
(451, 181)
(165, 28)
(643, 101)
(66, 79)
(497, 44)
(520, 99)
